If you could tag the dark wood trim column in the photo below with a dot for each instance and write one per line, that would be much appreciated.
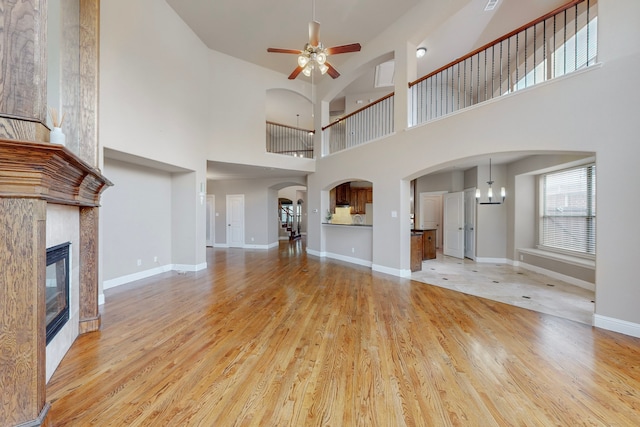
(89, 80)
(22, 311)
(89, 313)
(23, 100)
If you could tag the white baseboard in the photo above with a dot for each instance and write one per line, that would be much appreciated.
(392, 271)
(101, 299)
(348, 259)
(339, 257)
(112, 283)
(189, 267)
(616, 325)
(571, 280)
(265, 247)
(375, 267)
(492, 260)
(269, 246)
(316, 253)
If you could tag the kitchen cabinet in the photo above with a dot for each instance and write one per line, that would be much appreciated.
(355, 197)
(416, 250)
(359, 200)
(343, 194)
(428, 243)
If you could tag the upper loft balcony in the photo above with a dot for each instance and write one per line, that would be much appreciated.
(554, 45)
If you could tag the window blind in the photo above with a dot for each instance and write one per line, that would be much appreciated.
(568, 219)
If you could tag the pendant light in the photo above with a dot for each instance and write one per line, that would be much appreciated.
(503, 192)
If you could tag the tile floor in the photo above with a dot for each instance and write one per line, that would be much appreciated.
(511, 285)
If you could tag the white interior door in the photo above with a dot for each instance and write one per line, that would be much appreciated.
(470, 224)
(235, 220)
(431, 215)
(454, 224)
(211, 228)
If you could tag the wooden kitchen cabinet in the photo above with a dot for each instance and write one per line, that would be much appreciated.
(429, 244)
(416, 250)
(428, 250)
(358, 200)
(356, 197)
(343, 194)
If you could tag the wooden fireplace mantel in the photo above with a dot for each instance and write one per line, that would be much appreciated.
(33, 175)
(48, 172)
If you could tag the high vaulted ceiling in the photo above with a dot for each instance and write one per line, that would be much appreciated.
(245, 29)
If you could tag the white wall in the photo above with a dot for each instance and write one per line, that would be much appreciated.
(154, 105)
(136, 218)
(261, 208)
(237, 115)
(348, 243)
(589, 111)
(491, 220)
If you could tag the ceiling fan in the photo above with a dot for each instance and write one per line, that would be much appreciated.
(314, 55)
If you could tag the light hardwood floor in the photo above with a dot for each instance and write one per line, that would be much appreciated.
(276, 338)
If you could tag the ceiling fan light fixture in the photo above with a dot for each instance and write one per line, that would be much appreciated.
(303, 60)
(314, 55)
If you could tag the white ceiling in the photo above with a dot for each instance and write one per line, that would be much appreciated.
(246, 29)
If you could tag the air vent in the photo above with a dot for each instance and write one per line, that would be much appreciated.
(491, 5)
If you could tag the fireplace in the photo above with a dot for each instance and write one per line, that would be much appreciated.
(57, 289)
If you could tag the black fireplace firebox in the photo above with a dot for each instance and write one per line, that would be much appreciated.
(57, 289)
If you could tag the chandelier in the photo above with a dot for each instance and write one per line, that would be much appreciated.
(313, 57)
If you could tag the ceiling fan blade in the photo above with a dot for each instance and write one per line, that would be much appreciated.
(295, 73)
(314, 33)
(332, 71)
(277, 50)
(354, 47)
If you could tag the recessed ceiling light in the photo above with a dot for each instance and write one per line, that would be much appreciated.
(420, 52)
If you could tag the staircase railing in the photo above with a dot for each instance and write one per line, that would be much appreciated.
(551, 46)
(290, 141)
(366, 124)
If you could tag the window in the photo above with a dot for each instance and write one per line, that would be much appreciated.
(568, 210)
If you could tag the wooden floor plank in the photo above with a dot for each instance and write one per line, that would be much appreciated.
(276, 338)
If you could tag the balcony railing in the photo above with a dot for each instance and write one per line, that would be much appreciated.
(290, 141)
(366, 124)
(551, 46)
(556, 44)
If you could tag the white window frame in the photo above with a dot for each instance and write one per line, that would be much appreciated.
(541, 209)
